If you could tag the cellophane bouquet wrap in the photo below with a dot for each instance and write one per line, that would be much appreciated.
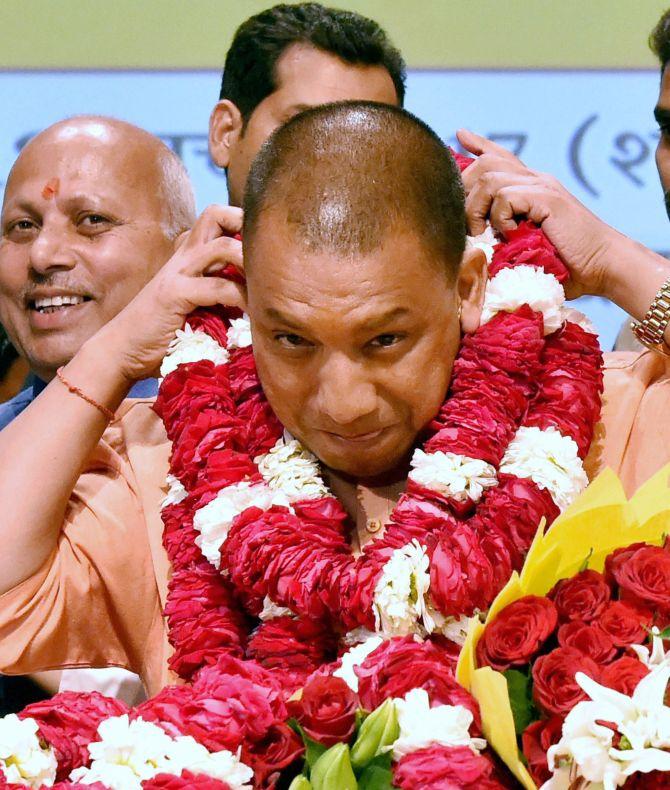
(569, 667)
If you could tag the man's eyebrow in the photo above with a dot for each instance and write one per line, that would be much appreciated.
(662, 115)
(375, 321)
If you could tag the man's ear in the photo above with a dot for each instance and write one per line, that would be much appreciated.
(225, 128)
(471, 287)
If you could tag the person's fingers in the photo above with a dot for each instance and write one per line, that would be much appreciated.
(476, 144)
(212, 256)
(181, 239)
(481, 196)
(492, 163)
(518, 200)
(216, 221)
(208, 291)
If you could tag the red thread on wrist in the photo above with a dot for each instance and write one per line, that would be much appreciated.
(108, 413)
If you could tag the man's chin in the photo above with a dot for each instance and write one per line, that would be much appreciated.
(362, 466)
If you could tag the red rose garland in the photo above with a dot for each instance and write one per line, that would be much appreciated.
(508, 378)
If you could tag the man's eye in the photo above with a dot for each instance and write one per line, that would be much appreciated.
(385, 341)
(20, 227)
(94, 222)
(288, 340)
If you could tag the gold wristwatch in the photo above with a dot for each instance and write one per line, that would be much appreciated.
(651, 329)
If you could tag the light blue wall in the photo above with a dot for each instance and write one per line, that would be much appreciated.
(593, 130)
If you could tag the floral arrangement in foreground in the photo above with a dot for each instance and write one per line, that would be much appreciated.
(269, 612)
(580, 669)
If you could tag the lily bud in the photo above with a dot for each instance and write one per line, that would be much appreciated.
(332, 771)
(300, 783)
(380, 729)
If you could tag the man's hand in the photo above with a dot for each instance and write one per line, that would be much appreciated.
(500, 187)
(136, 340)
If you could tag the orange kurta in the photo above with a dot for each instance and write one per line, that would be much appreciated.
(98, 601)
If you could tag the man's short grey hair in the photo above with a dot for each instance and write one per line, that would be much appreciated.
(176, 194)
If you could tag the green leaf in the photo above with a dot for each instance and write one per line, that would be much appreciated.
(520, 697)
(313, 750)
(665, 634)
(374, 777)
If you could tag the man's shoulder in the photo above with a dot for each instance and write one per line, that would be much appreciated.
(645, 367)
(12, 408)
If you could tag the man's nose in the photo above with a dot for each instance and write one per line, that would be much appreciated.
(346, 393)
(51, 251)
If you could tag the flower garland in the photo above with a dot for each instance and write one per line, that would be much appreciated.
(249, 520)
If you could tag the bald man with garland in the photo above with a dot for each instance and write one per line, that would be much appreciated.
(358, 288)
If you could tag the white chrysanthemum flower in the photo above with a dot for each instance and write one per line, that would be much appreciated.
(187, 754)
(354, 658)
(657, 655)
(577, 317)
(214, 519)
(239, 332)
(485, 241)
(293, 470)
(191, 345)
(357, 636)
(511, 288)
(586, 746)
(550, 460)
(176, 492)
(399, 600)
(127, 753)
(271, 610)
(114, 776)
(23, 758)
(452, 475)
(422, 726)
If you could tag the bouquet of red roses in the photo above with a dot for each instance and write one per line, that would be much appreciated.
(584, 661)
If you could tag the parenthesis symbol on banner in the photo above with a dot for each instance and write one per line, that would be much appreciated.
(575, 154)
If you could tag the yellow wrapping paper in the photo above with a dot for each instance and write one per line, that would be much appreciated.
(598, 522)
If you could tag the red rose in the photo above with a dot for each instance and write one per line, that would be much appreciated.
(536, 740)
(268, 757)
(186, 781)
(203, 617)
(517, 633)
(224, 468)
(446, 768)
(528, 245)
(69, 721)
(462, 579)
(555, 689)
(626, 622)
(515, 507)
(589, 639)
(582, 597)
(624, 674)
(190, 389)
(166, 709)
(214, 321)
(293, 647)
(327, 710)
(402, 664)
(643, 575)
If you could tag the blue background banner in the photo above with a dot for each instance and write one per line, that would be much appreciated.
(594, 130)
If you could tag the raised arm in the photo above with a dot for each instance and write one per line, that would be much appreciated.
(44, 449)
(602, 261)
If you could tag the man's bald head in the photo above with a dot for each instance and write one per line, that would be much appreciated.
(342, 177)
(167, 176)
(90, 213)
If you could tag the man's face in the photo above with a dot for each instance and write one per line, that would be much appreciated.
(354, 356)
(662, 113)
(306, 77)
(81, 235)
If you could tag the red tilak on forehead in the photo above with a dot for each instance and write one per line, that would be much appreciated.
(50, 188)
